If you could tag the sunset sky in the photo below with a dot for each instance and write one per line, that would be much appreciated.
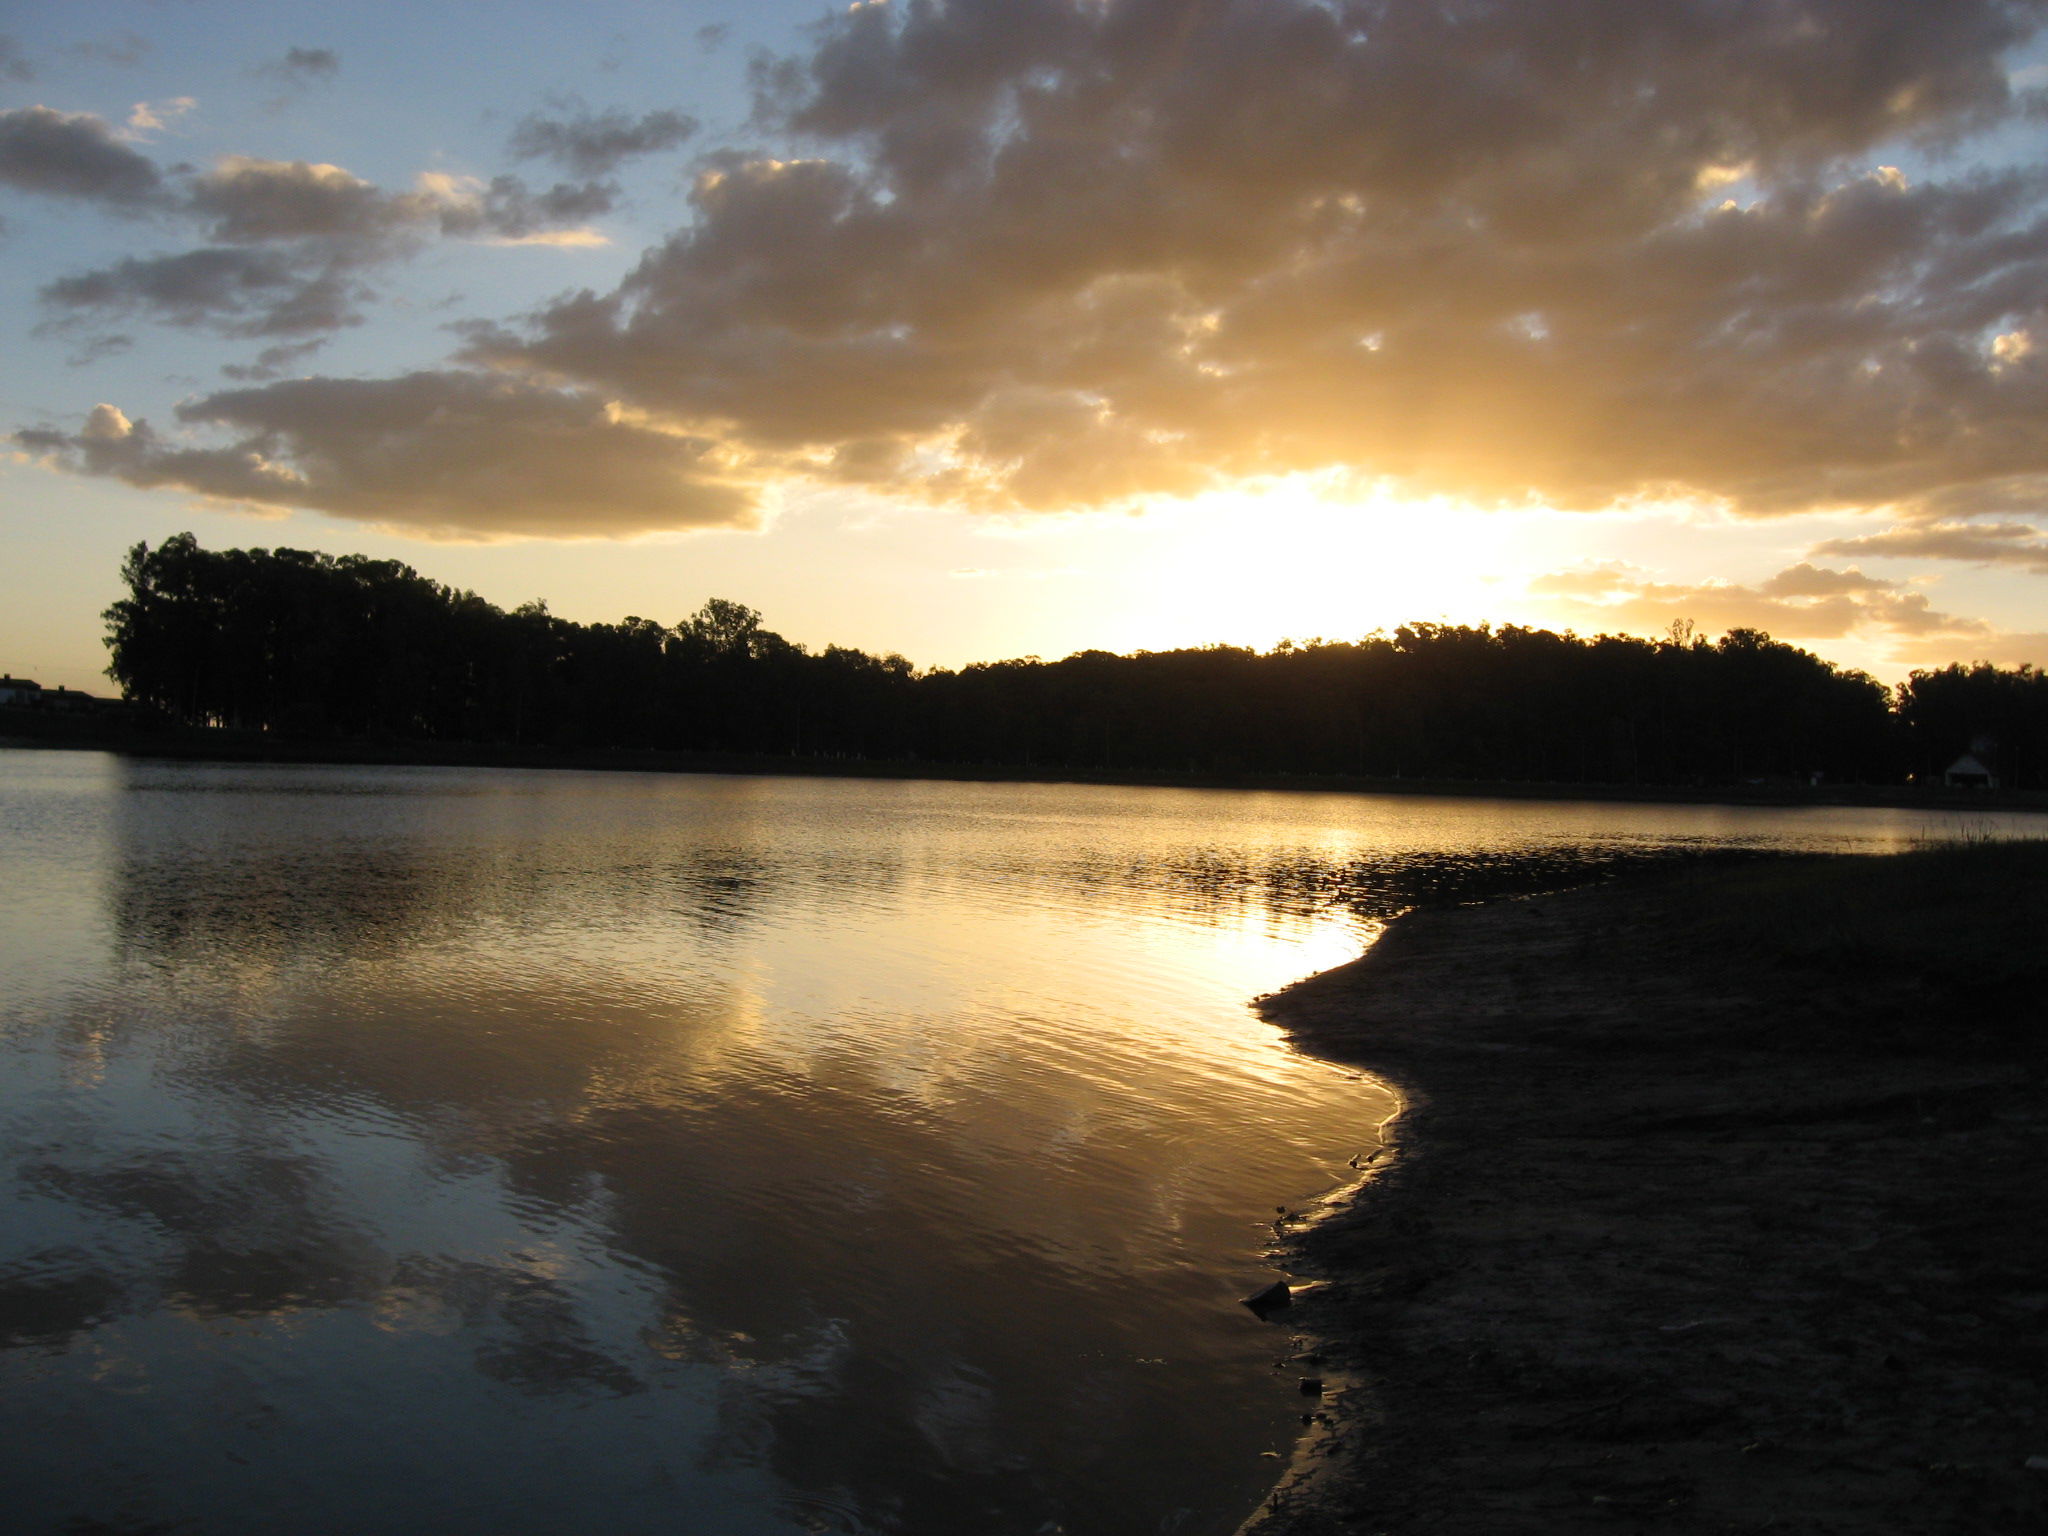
(1003, 327)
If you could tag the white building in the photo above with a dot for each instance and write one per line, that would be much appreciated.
(1969, 772)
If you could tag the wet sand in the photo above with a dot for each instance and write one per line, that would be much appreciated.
(1668, 1239)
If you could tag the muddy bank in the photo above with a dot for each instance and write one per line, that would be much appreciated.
(1714, 1208)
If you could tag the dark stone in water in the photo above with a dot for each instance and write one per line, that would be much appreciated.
(1274, 1298)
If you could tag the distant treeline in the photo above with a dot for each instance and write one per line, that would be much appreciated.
(316, 646)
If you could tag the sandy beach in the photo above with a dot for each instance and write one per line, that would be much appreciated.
(1713, 1208)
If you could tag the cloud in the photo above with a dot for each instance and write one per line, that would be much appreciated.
(14, 64)
(245, 199)
(2011, 649)
(508, 212)
(311, 62)
(123, 48)
(74, 154)
(292, 241)
(438, 455)
(272, 361)
(1807, 580)
(110, 444)
(560, 239)
(147, 117)
(299, 70)
(1486, 249)
(105, 344)
(1802, 602)
(236, 291)
(288, 244)
(2020, 545)
(592, 145)
(1046, 254)
(302, 66)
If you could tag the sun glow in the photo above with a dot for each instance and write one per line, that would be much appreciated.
(1302, 557)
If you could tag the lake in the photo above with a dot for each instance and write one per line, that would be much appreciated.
(488, 1151)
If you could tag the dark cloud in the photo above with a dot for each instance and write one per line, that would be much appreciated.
(110, 444)
(508, 209)
(273, 361)
(14, 64)
(2019, 545)
(301, 67)
(123, 48)
(2023, 494)
(245, 200)
(438, 455)
(290, 243)
(311, 63)
(299, 71)
(238, 291)
(74, 154)
(293, 242)
(595, 144)
(105, 344)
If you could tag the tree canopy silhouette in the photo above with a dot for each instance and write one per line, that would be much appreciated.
(304, 644)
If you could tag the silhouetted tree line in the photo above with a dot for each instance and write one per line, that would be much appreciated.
(319, 646)
(2000, 713)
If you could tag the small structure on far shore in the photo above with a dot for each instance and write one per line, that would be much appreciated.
(72, 701)
(31, 698)
(1969, 772)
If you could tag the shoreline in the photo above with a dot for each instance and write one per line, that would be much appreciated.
(1672, 1235)
(56, 733)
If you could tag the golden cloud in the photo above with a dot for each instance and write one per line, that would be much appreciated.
(449, 456)
(1802, 602)
(1048, 254)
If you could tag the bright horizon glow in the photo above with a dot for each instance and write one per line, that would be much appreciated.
(1301, 558)
(1281, 558)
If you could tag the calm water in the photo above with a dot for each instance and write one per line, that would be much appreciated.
(466, 1151)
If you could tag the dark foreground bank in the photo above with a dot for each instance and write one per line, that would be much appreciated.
(1716, 1207)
